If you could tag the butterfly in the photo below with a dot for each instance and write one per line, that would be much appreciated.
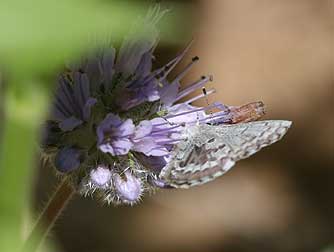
(209, 151)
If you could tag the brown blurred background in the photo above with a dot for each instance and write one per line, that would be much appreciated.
(282, 199)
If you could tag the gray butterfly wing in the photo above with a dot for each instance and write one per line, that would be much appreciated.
(209, 151)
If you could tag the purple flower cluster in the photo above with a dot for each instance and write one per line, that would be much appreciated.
(115, 120)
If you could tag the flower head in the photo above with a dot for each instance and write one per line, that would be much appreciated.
(115, 119)
(129, 188)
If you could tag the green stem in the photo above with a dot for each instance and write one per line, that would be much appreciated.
(48, 217)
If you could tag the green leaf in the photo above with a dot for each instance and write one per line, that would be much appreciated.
(38, 35)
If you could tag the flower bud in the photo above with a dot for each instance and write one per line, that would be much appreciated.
(68, 159)
(100, 177)
(129, 189)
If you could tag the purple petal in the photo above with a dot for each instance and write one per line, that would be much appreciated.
(58, 113)
(70, 123)
(114, 135)
(112, 120)
(162, 151)
(108, 123)
(130, 54)
(136, 93)
(64, 99)
(157, 121)
(150, 90)
(127, 128)
(185, 117)
(143, 129)
(121, 146)
(107, 148)
(87, 108)
(81, 88)
(144, 145)
(65, 96)
(168, 93)
(145, 65)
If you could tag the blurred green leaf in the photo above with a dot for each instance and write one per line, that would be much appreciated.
(38, 35)
(17, 152)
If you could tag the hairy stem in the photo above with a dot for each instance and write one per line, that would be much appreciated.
(49, 215)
